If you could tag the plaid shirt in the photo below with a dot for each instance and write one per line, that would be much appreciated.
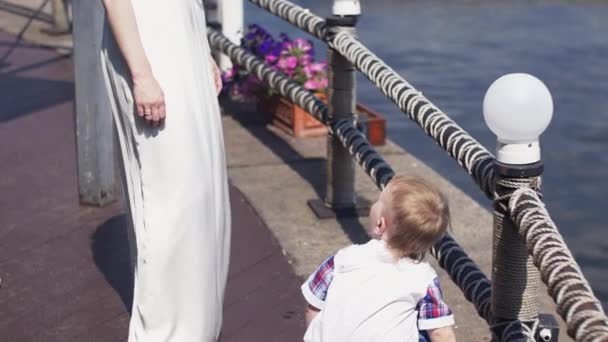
(430, 307)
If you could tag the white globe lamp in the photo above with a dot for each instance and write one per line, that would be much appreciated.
(518, 108)
(345, 8)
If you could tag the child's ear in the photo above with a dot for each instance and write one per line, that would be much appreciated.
(381, 226)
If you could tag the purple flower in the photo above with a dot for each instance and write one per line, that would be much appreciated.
(295, 58)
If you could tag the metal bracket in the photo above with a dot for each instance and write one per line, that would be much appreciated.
(345, 21)
(519, 171)
(548, 328)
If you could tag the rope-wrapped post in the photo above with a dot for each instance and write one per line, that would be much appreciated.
(340, 177)
(517, 108)
(514, 277)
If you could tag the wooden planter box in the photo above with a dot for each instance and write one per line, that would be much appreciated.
(296, 121)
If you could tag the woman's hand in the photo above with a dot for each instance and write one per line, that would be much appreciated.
(149, 99)
(217, 76)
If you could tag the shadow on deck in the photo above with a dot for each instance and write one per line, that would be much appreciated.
(64, 267)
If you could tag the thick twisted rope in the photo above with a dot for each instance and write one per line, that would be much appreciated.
(575, 300)
(469, 153)
(463, 271)
(585, 317)
(280, 82)
(296, 15)
(450, 255)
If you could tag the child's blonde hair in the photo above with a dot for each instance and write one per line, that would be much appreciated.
(418, 214)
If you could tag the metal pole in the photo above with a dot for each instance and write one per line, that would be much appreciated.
(340, 187)
(94, 131)
(230, 15)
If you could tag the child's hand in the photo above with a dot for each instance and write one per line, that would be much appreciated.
(311, 313)
(445, 334)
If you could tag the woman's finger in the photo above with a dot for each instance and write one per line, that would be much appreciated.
(140, 110)
(155, 116)
(162, 110)
(148, 114)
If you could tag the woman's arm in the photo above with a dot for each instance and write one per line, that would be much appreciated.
(147, 93)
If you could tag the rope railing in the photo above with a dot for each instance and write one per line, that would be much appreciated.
(298, 16)
(451, 257)
(575, 300)
(286, 86)
(469, 153)
(571, 292)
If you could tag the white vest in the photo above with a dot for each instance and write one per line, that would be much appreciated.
(372, 297)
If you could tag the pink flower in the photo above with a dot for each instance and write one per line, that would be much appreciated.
(289, 72)
(317, 67)
(271, 58)
(323, 83)
(286, 63)
(292, 62)
(305, 59)
(308, 72)
(312, 84)
(302, 44)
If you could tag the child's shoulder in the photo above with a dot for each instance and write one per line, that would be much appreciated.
(419, 272)
(358, 253)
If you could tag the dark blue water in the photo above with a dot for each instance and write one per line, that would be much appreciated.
(453, 50)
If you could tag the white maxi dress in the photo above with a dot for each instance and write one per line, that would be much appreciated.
(175, 178)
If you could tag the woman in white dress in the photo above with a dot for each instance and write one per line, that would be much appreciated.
(163, 85)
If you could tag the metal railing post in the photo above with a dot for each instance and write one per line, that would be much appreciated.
(94, 131)
(342, 95)
(340, 198)
(517, 108)
(340, 187)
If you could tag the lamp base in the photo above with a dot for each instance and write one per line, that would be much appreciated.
(518, 154)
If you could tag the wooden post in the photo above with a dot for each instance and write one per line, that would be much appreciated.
(94, 131)
(230, 15)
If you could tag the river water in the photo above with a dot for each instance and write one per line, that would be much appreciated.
(453, 50)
